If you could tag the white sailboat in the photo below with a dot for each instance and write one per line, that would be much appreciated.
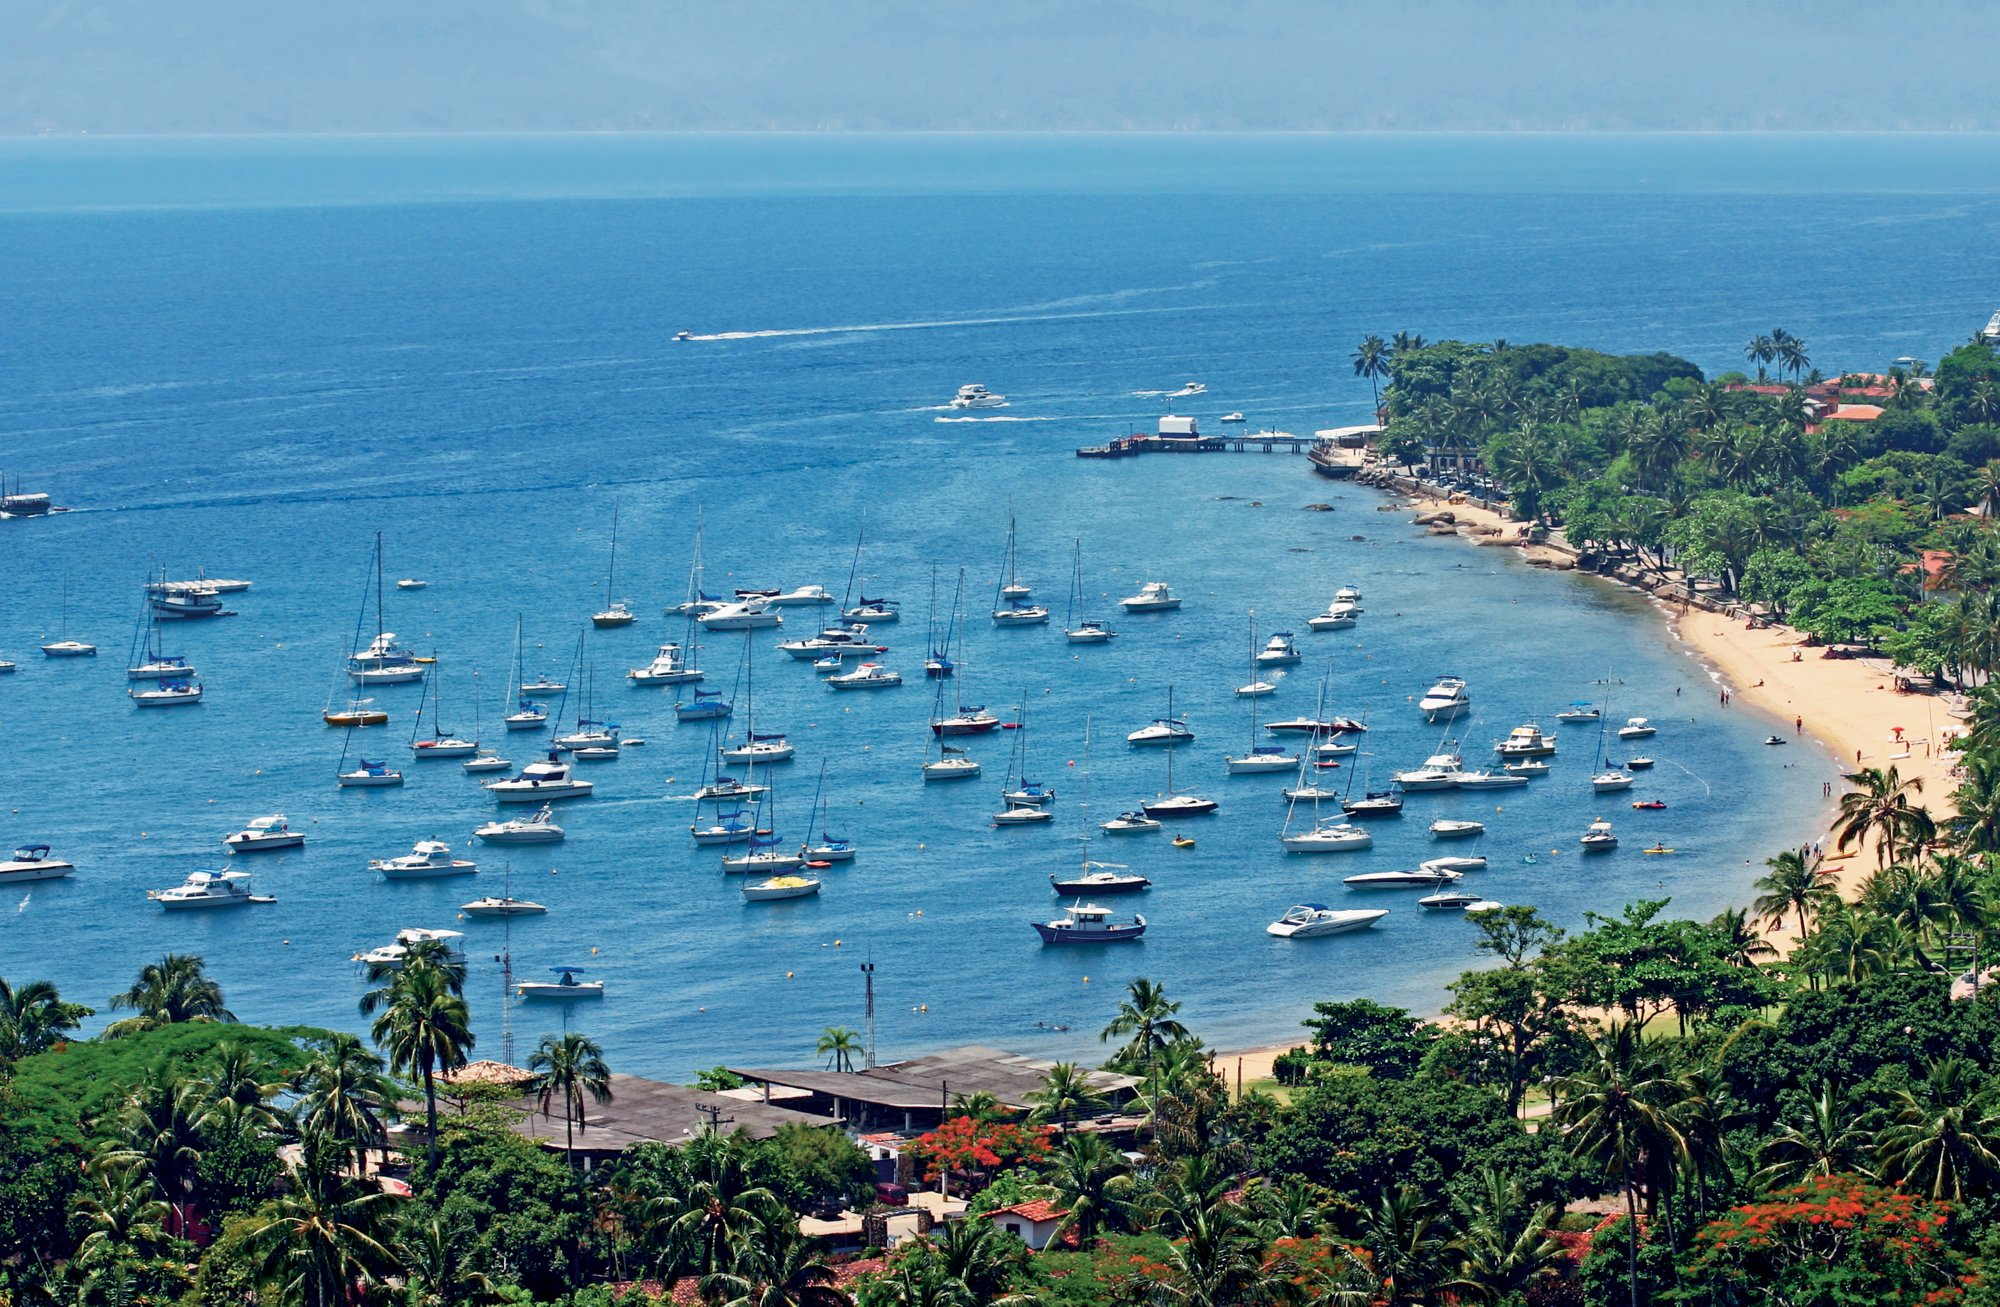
(383, 661)
(615, 611)
(1260, 758)
(1088, 630)
(441, 743)
(1010, 594)
(755, 747)
(529, 714)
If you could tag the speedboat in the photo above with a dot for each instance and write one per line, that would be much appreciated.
(160, 667)
(1164, 730)
(502, 907)
(209, 889)
(1180, 805)
(538, 829)
(1278, 651)
(542, 686)
(1261, 758)
(485, 762)
(370, 775)
(800, 597)
(744, 615)
(706, 705)
(1526, 741)
(669, 667)
(760, 748)
(873, 612)
(953, 766)
(393, 955)
(764, 858)
(594, 752)
(724, 789)
(565, 986)
(1638, 764)
(1598, 838)
(1447, 829)
(7, 665)
(1529, 767)
(1255, 690)
(1022, 814)
(1482, 779)
(167, 694)
(1153, 597)
(1338, 616)
(868, 676)
(1447, 699)
(528, 716)
(1450, 900)
(781, 887)
(975, 395)
(1109, 878)
(265, 833)
(428, 859)
(1311, 919)
(1461, 864)
(683, 335)
(968, 720)
(411, 583)
(1129, 823)
(1090, 631)
(1426, 778)
(1637, 728)
(836, 641)
(444, 747)
(32, 862)
(1021, 615)
(1579, 713)
(540, 781)
(1770, 739)
(1086, 923)
(1400, 879)
(1328, 838)
(1231, 417)
(1375, 803)
(1316, 726)
(1605, 782)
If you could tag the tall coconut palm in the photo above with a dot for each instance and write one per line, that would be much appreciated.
(1148, 1018)
(717, 1215)
(1065, 1095)
(1742, 945)
(344, 1096)
(34, 1018)
(1505, 1247)
(838, 1045)
(239, 1094)
(1944, 1136)
(1827, 1137)
(1880, 807)
(1760, 351)
(979, 1259)
(1371, 361)
(323, 1240)
(1794, 885)
(1408, 1244)
(121, 1213)
(423, 1026)
(1088, 1176)
(782, 1269)
(160, 1134)
(436, 1261)
(1213, 1260)
(567, 1067)
(176, 988)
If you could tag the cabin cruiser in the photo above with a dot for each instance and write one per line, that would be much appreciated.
(1153, 597)
(160, 667)
(669, 667)
(705, 705)
(1447, 699)
(1610, 780)
(970, 719)
(369, 775)
(209, 889)
(744, 615)
(1638, 764)
(1180, 805)
(1427, 777)
(1453, 900)
(1255, 690)
(953, 766)
(1328, 837)
(411, 583)
(1022, 814)
(836, 642)
(873, 612)
(1599, 837)
(485, 762)
(1637, 728)
(1308, 920)
(1337, 617)
(1090, 631)
(975, 395)
(565, 986)
(1579, 713)
(167, 694)
(538, 829)
(781, 887)
(541, 687)
(1021, 615)
(1231, 417)
(528, 715)
(265, 833)
(1278, 651)
(868, 676)
(429, 858)
(502, 907)
(32, 862)
(384, 662)
(1401, 879)
(1375, 803)
(1482, 779)
(1164, 730)
(1347, 594)
(760, 747)
(1461, 864)
(1107, 878)
(181, 601)
(1316, 726)
(1449, 829)
(1529, 767)
(444, 945)
(1526, 741)
(1086, 923)
(539, 782)
(803, 596)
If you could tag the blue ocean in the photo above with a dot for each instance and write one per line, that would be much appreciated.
(250, 357)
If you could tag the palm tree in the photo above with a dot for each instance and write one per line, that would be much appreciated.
(1792, 356)
(569, 1066)
(424, 1027)
(343, 1095)
(976, 1257)
(1983, 404)
(1065, 1095)
(1408, 1244)
(1404, 341)
(176, 988)
(239, 1095)
(1088, 1177)
(838, 1045)
(1371, 360)
(1945, 1133)
(1617, 1114)
(781, 1269)
(1830, 1138)
(34, 1019)
(323, 1238)
(1742, 945)
(718, 1215)
(1505, 1248)
(436, 1264)
(1148, 1018)
(1879, 807)
(1213, 1260)
(160, 1135)
(122, 1213)
(1794, 885)
(1760, 351)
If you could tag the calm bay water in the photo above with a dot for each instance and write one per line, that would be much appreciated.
(251, 357)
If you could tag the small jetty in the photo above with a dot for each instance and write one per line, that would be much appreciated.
(1336, 453)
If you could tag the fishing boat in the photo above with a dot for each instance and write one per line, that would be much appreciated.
(1337, 617)
(1417, 879)
(1310, 920)
(540, 782)
(565, 987)
(167, 694)
(1086, 923)
(868, 676)
(781, 887)
(1279, 651)
(1153, 597)
(1452, 829)
(32, 862)
(1579, 713)
(209, 889)
(441, 743)
(1082, 630)
(264, 834)
(615, 611)
(1598, 837)
(184, 601)
(538, 829)
(428, 859)
(63, 646)
(1447, 699)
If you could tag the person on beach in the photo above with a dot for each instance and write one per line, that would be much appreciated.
(1798, 725)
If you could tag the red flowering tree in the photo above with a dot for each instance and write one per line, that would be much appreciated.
(966, 1143)
(1834, 1241)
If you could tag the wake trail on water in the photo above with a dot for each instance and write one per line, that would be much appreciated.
(1002, 419)
(939, 324)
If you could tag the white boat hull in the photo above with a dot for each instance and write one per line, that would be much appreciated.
(444, 748)
(1088, 637)
(957, 771)
(1257, 764)
(256, 844)
(387, 676)
(369, 780)
(546, 835)
(1020, 616)
(1325, 844)
(756, 753)
(758, 864)
(1326, 623)
(20, 873)
(774, 893)
(1343, 922)
(539, 990)
(530, 792)
(149, 699)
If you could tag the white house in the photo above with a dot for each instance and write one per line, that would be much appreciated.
(1173, 427)
(1033, 1223)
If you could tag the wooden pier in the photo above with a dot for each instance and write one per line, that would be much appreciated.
(1262, 442)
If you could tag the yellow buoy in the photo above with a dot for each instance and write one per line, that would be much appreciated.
(788, 975)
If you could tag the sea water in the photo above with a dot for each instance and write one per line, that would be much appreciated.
(251, 357)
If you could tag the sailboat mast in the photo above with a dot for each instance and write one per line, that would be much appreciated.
(611, 572)
(378, 584)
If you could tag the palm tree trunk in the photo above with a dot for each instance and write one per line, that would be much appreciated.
(431, 1111)
(1631, 1236)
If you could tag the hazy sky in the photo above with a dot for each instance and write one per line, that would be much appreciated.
(184, 66)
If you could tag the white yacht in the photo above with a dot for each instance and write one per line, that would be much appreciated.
(503, 906)
(669, 667)
(1021, 615)
(566, 986)
(1329, 750)
(7, 665)
(1637, 728)
(1529, 767)
(1308, 920)
(1090, 631)
(528, 715)
(1231, 417)
(1451, 829)
(1153, 597)
(369, 775)
(384, 662)
(763, 859)
(167, 694)
(1460, 864)
(953, 766)
(265, 833)
(1526, 741)
(1180, 805)
(744, 615)
(727, 789)
(1255, 690)
(804, 596)
(1309, 793)
(868, 676)
(1347, 594)
(1162, 730)
(208, 889)
(539, 781)
(1599, 837)
(781, 887)
(589, 734)
(1611, 780)
(760, 748)
(873, 612)
(538, 829)
(428, 859)
(69, 649)
(836, 642)
(1450, 900)
(1278, 651)
(412, 583)
(1579, 713)
(1022, 814)
(485, 762)
(1482, 779)
(444, 746)
(1427, 777)
(1130, 823)
(32, 862)
(1328, 837)
(975, 395)
(1400, 879)
(1337, 617)
(1446, 700)
(392, 956)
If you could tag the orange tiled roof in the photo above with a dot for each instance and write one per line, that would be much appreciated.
(1037, 1210)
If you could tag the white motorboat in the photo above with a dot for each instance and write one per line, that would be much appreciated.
(167, 694)
(543, 686)
(760, 748)
(384, 662)
(594, 752)
(727, 789)
(485, 762)
(1021, 615)
(1580, 713)
(744, 615)
(444, 945)
(1153, 597)
(1167, 730)
(868, 676)
(444, 746)
(804, 596)
(1448, 699)
(1460, 864)
(1337, 617)
(265, 833)
(1317, 726)
(1255, 690)
(1327, 837)
(209, 889)
(1599, 837)
(539, 782)
(1309, 920)
(1400, 879)
(1090, 631)
(953, 766)
(1607, 782)
(7, 665)
(1086, 923)
(1638, 764)
(411, 583)
(566, 986)
(1482, 779)
(1347, 594)
(1098, 878)
(369, 775)
(1526, 741)
(1529, 767)
(160, 667)
(872, 612)
(1426, 778)
(1022, 814)
(538, 829)
(1309, 793)
(1332, 749)
(1637, 728)
(837, 642)
(1016, 589)
(975, 395)
(1231, 417)
(781, 887)
(967, 719)
(502, 907)
(1278, 651)
(1452, 829)
(1450, 900)
(1130, 823)
(669, 667)
(430, 858)
(32, 862)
